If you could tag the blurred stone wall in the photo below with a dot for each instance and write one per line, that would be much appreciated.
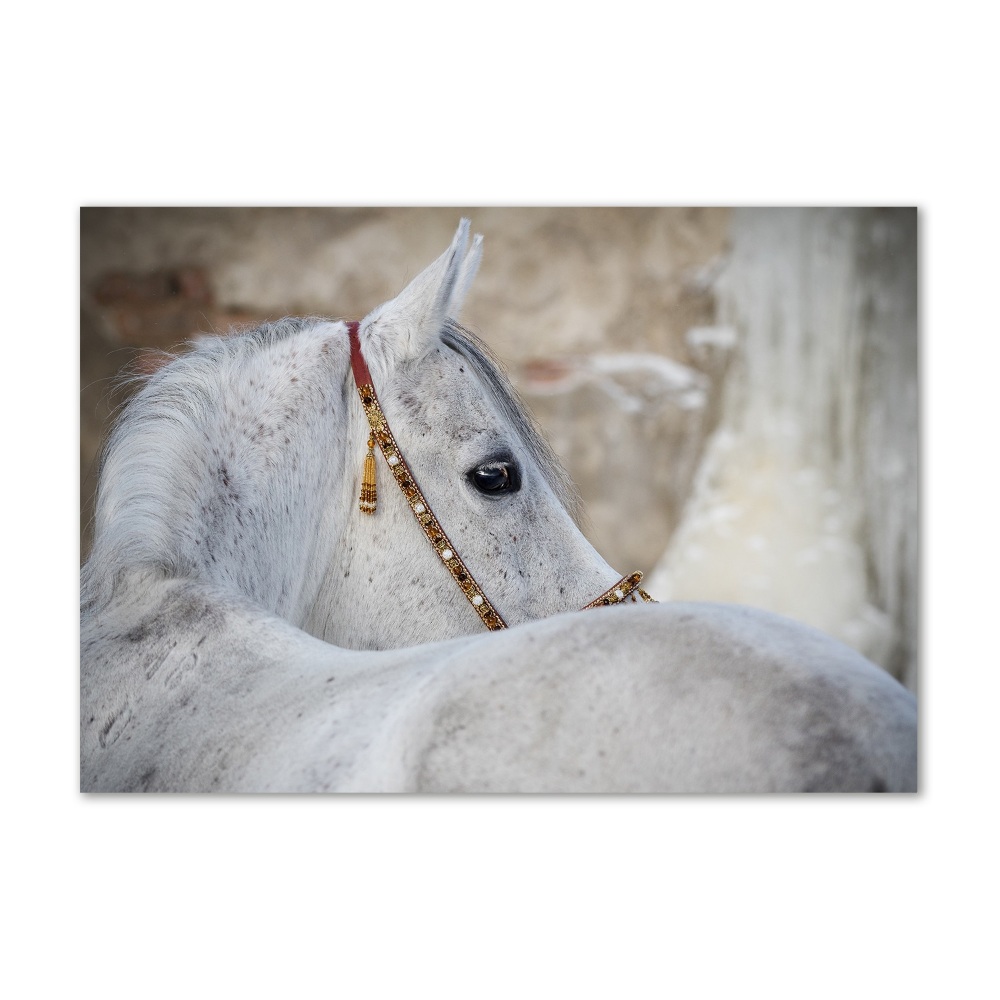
(806, 498)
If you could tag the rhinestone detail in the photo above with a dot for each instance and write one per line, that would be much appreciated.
(422, 512)
(627, 586)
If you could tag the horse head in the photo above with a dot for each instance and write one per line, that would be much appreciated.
(481, 464)
(239, 464)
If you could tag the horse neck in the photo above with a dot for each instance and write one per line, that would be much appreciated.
(227, 470)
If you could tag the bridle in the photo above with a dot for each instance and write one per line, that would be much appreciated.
(625, 589)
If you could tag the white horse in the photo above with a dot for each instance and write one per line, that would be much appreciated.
(246, 627)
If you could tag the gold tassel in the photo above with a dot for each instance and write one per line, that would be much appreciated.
(368, 494)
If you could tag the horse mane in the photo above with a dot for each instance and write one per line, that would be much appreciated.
(150, 442)
(491, 374)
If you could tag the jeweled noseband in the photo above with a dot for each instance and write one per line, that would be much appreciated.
(626, 588)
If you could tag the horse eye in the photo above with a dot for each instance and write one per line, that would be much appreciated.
(496, 477)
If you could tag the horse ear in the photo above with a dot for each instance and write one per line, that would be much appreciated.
(408, 325)
(466, 274)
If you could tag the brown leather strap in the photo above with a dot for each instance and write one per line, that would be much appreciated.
(362, 376)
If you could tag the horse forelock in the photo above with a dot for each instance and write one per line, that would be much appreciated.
(491, 375)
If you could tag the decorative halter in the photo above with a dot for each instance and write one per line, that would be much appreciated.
(626, 588)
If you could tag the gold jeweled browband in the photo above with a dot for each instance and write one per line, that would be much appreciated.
(627, 587)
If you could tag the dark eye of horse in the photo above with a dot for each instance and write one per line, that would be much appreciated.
(496, 477)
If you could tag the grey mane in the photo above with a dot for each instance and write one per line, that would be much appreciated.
(494, 379)
(184, 387)
(152, 431)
